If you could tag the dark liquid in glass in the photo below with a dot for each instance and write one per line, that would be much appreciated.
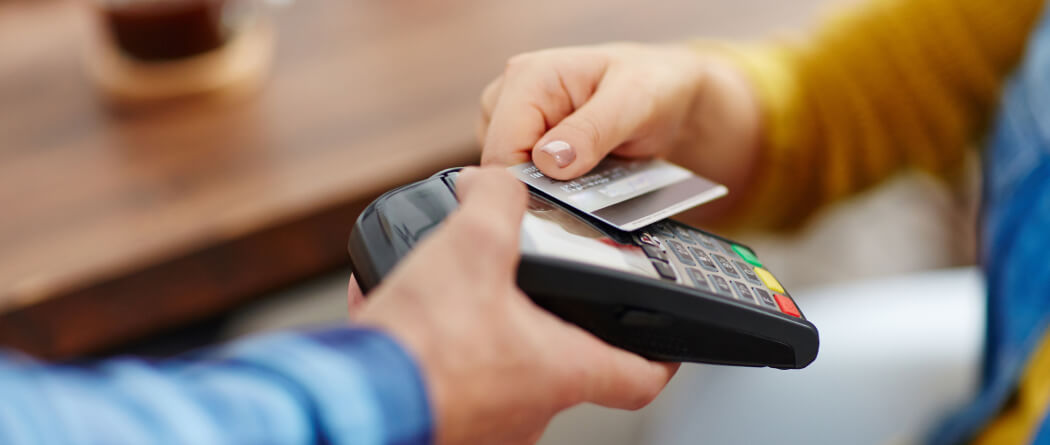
(159, 30)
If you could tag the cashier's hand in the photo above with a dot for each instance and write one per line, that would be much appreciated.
(567, 108)
(497, 366)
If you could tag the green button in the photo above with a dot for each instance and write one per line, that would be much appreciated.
(747, 255)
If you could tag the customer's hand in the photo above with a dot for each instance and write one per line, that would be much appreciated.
(497, 366)
(567, 108)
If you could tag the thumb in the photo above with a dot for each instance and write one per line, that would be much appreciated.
(575, 145)
(355, 299)
(492, 195)
(492, 204)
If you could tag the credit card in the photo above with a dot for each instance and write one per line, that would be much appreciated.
(626, 193)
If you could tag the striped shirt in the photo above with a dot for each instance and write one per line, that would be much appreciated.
(337, 386)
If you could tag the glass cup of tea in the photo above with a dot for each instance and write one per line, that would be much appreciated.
(155, 50)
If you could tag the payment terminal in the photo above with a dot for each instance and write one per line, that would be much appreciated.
(666, 291)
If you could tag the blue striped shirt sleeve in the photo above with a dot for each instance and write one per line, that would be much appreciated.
(336, 386)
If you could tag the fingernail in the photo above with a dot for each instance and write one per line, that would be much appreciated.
(561, 151)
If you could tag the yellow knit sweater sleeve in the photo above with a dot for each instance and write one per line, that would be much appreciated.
(895, 83)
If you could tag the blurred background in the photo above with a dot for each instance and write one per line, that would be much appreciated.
(161, 193)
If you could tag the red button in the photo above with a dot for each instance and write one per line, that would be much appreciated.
(787, 306)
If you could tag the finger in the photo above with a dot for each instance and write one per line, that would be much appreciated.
(354, 297)
(479, 241)
(488, 102)
(493, 196)
(492, 204)
(625, 380)
(489, 97)
(535, 436)
(610, 118)
(481, 129)
(531, 99)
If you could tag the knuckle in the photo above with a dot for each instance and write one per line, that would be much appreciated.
(497, 238)
(518, 62)
(485, 234)
(644, 102)
(636, 404)
(575, 383)
(496, 178)
(488, 95)
(645, 395)
(480, 178)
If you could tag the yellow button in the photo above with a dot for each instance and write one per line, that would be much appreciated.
(771, 282)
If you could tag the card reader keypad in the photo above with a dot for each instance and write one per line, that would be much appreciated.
(725, 265)
(663, 230)
(681, 252)
(721, 285)
(698, 279)
(764, 298)
(704, 259)
(712, 265)
(707, 242)
(742, 292)
(684, 235)
(748, 272)
(654, 252)
(665, 270)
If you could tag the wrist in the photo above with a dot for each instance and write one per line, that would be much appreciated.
(449, 401)
(408, 326)
(721, 136)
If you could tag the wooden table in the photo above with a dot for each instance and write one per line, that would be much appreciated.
(114, 226)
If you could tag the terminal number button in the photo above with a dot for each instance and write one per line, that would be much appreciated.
(665, 270)
(764, 298)
(748, 272)
(684, 235)
(680, 252)
(706, 241)
(698, 279)
(705, 261)
(654, 252)
(726, 266)
(662, 230)
(743, 293)
(721, 285)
